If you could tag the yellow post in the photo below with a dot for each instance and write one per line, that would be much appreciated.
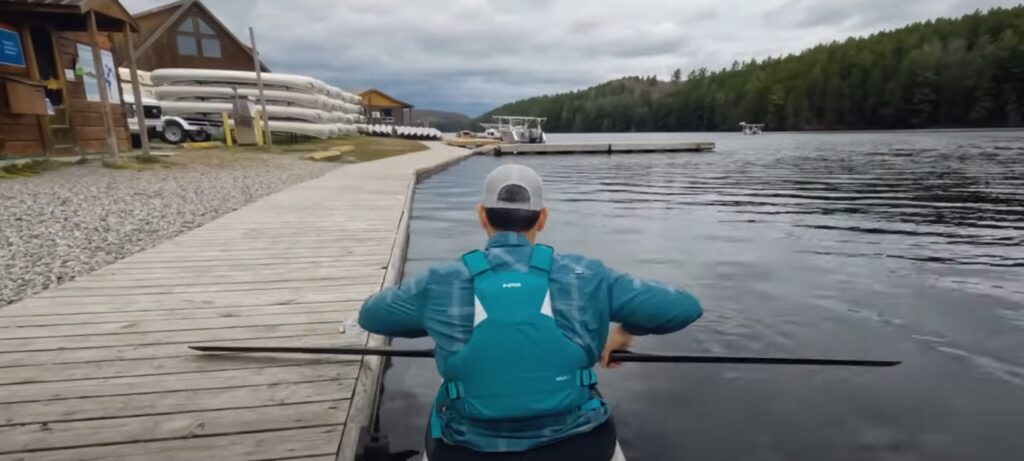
(259, 130)
(227, 128)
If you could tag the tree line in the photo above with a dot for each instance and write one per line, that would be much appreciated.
(963, 72)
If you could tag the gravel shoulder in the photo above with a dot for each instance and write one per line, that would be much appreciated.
(66, 223)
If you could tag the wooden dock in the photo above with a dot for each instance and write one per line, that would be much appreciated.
(98, 368)
(597, 148)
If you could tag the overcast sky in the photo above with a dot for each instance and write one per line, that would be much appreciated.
(471, 55)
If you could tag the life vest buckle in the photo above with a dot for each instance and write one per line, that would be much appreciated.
(454, 390)
(586, 378)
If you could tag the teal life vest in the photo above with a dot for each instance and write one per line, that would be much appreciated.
(517, 364)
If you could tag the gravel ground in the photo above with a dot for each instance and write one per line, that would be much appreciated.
(74, 220)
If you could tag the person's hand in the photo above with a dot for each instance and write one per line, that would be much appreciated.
(618, 339)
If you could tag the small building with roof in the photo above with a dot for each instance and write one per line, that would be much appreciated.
(382, 108)
(57, 68)
(186, 34)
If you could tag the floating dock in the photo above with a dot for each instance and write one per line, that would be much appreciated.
(602, 148)
(99, 368)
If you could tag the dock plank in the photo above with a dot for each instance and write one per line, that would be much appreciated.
(9, 346)
(318, 335)
(299, 372)
(207, 323)
(106, 317)
(185, 300)
(77, 434)
(171, 402)
(284, 444)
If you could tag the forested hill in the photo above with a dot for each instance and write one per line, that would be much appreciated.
(941, 73)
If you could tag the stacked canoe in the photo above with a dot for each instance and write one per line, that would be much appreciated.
(296, 104)
(408, 132)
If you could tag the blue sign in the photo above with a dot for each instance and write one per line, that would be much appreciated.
(11, 52)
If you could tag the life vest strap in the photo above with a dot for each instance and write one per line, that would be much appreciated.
(542, 257)
(584, 378)
(476, 262)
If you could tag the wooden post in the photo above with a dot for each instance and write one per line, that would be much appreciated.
(33, 73)
(101, 79)
(226, 123)
(267, 138)
(140, 111)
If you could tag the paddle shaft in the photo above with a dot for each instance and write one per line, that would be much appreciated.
(617, 356)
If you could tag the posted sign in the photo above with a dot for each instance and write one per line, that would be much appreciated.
(11, 52)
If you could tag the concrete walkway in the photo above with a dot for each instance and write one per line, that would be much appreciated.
(98, 368)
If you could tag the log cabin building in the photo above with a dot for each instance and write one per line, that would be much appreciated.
(382, 108)
(186, 34)
(53, 58)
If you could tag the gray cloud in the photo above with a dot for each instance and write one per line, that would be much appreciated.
(471, 55)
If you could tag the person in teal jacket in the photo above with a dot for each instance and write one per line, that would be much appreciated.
(517, 329)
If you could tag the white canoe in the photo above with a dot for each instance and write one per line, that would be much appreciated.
(316, 130)
(275, 112)
(174, 76)
(313, 101)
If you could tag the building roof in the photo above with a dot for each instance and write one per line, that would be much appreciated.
(181, 7)
(397, 102)
(110, 9)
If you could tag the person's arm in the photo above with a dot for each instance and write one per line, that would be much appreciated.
(650, 308)
(397, 311)
(645, 307)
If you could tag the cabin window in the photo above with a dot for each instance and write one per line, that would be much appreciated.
(211, 47)
(197, 38)
(187, 45)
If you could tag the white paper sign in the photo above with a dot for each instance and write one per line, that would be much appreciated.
(69, 75)
(87, 69)
(110, 76)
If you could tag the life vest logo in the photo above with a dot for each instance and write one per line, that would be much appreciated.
(512, 285)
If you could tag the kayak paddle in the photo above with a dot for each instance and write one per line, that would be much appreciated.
(617, 356)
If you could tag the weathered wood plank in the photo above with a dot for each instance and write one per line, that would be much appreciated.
(172, 402)
(307, 335)
(251, 255)
(284, 444)
(107, 317)
(36, 306)
(69, 333)
(300, 372)
(142, 271)
(358, 275)
(72, 292)
(175, 426)
(227, 255)
(8, 346)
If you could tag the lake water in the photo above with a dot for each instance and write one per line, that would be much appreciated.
(904, 245)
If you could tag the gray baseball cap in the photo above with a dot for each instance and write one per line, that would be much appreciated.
(514, 186)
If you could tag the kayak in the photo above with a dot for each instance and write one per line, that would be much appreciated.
(618, 456)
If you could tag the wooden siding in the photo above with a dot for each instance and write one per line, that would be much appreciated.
(90, 131)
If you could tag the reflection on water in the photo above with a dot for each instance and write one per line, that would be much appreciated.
(906, 245)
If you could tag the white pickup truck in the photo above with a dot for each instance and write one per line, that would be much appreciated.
(171, 129)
